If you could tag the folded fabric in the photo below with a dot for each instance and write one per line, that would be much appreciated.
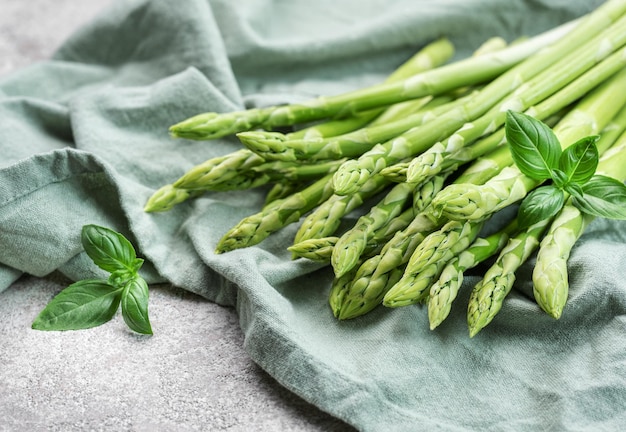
(84, 139)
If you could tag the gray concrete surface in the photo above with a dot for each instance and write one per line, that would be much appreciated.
(193, 374)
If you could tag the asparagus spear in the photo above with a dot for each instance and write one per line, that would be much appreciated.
(475, 116)
(315, 249)
(255, 228)
(444, 291)
(351, 244)
(377, 274)
(465, 72)
(550, 278)
(275, 146)
(488, 295)
(428, 260)
(325, 220)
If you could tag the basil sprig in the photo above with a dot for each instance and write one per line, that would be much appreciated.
(538, 154)
(92, 302)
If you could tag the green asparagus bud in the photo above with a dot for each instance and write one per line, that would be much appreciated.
(166, 198)
(550, 277)
(316, 249)
(254, 229)
(445, 290)
(325, 220)
(488, 295)
(475, 202)
(428, 260)
(352, 243)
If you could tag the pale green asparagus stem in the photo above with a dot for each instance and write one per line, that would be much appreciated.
(355, 172)
(428, 260)
(550, 277)
(352, 243)
(393, 121)
(255, 228)
(463, 73)
(469, 201)
(445, 290)
(326, 218)
(488, 295)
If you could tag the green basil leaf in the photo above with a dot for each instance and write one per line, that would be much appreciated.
(580, 160)
(109, 250)
(542, 203)
(135, 305)
(559, 178)
(535, 148)
(574, 189)
(604, 197)
(84, 304)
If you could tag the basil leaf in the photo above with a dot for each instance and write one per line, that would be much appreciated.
(559, 178)
(84, 304)
(574, 189)
(604, 197)
(542, 203)
(135, 305)
(109, 250)
(580, 160)
(534, 147)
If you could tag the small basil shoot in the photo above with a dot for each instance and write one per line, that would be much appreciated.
(90, 303)
(537, 153)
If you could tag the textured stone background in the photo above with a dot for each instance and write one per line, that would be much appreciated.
(193, 374)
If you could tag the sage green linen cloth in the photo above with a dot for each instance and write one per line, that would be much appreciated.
(84, 139)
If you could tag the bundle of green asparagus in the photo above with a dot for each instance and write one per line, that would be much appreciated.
(440, 151)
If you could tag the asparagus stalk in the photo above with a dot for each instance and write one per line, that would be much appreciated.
(589, 117)
(377, 274)
(444, 291)
(467, 72)
(428, 260)
(355, 172)
(351, 244)
(255, 228)
(275, 146)
(282, 189)
(315, 249)
(325, 220)
(550, 277)
(488, 295)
